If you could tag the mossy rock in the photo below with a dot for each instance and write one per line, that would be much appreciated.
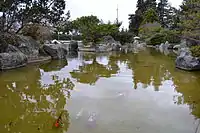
(6, 39)
(195, 51)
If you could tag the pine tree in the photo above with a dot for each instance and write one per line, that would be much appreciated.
(190, 19)
(150, 4)
(143, 6)
(163, 12)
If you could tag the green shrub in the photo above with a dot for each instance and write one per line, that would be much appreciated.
(147, 30)
(195, 51)
(124, 37)
(172, 36)
(156, 39)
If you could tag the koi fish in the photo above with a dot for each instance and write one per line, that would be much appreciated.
(58, 122)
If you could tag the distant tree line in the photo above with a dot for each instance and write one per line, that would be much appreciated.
(149, 11)
(186, 19)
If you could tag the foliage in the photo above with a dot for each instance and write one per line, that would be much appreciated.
(134, 23)
(172, 36)
(92, 30)
(147, 30)
(190, 19)
(124, 37)
(135, 20)
(161, 35)
(17, 13)
(163, 12)
(195, 51)
(156, 39)
(150, 16)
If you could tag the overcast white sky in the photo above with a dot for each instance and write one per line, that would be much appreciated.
(106, 9)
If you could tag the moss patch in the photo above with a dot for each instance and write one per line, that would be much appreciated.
(195, 51)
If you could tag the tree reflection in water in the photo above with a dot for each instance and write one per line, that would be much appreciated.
(36, 109)
(149, 68)
(89, 73)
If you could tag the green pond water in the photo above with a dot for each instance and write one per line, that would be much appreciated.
(101, 93)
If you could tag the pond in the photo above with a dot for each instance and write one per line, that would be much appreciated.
(101, 93)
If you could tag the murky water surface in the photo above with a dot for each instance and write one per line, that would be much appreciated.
(101, 93)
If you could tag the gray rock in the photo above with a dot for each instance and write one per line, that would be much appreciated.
(12, 59)
(56, 51)
(103, 48)
(108, 39)
(186, 61)
(108, 44)
(11, 49)
(29, 47)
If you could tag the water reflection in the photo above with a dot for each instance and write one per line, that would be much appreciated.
(145, 85)
(29, 106)
(55, 65)
(91, 70)
(150, 69)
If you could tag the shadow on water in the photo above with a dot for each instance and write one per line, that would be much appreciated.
(29, 106)
(55, 65)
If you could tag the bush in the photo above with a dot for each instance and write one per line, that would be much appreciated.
(195, 51)
(156, 39)
(124, 37)
(171, 36)
(147, 30)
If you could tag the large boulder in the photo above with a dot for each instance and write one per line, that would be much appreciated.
(163, 47)
(12, 58)
(29, 47)
(103, 48)
(56, 51)
(108, 44)
(186, 61)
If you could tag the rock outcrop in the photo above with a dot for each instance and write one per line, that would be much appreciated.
(17, 51)
(29, 47)
(12, 58)
(186, 61)
(108, 44)
(56, 51)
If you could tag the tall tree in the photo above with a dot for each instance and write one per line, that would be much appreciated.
(150, 4)
(163, 12)
(143, 6)
(190, 19)
(136, 19)
(92, 29)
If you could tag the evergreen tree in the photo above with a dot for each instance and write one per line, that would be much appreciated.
(190, 19)
(143, 6)
(136, 19)
(163, 12)
(150, 4)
